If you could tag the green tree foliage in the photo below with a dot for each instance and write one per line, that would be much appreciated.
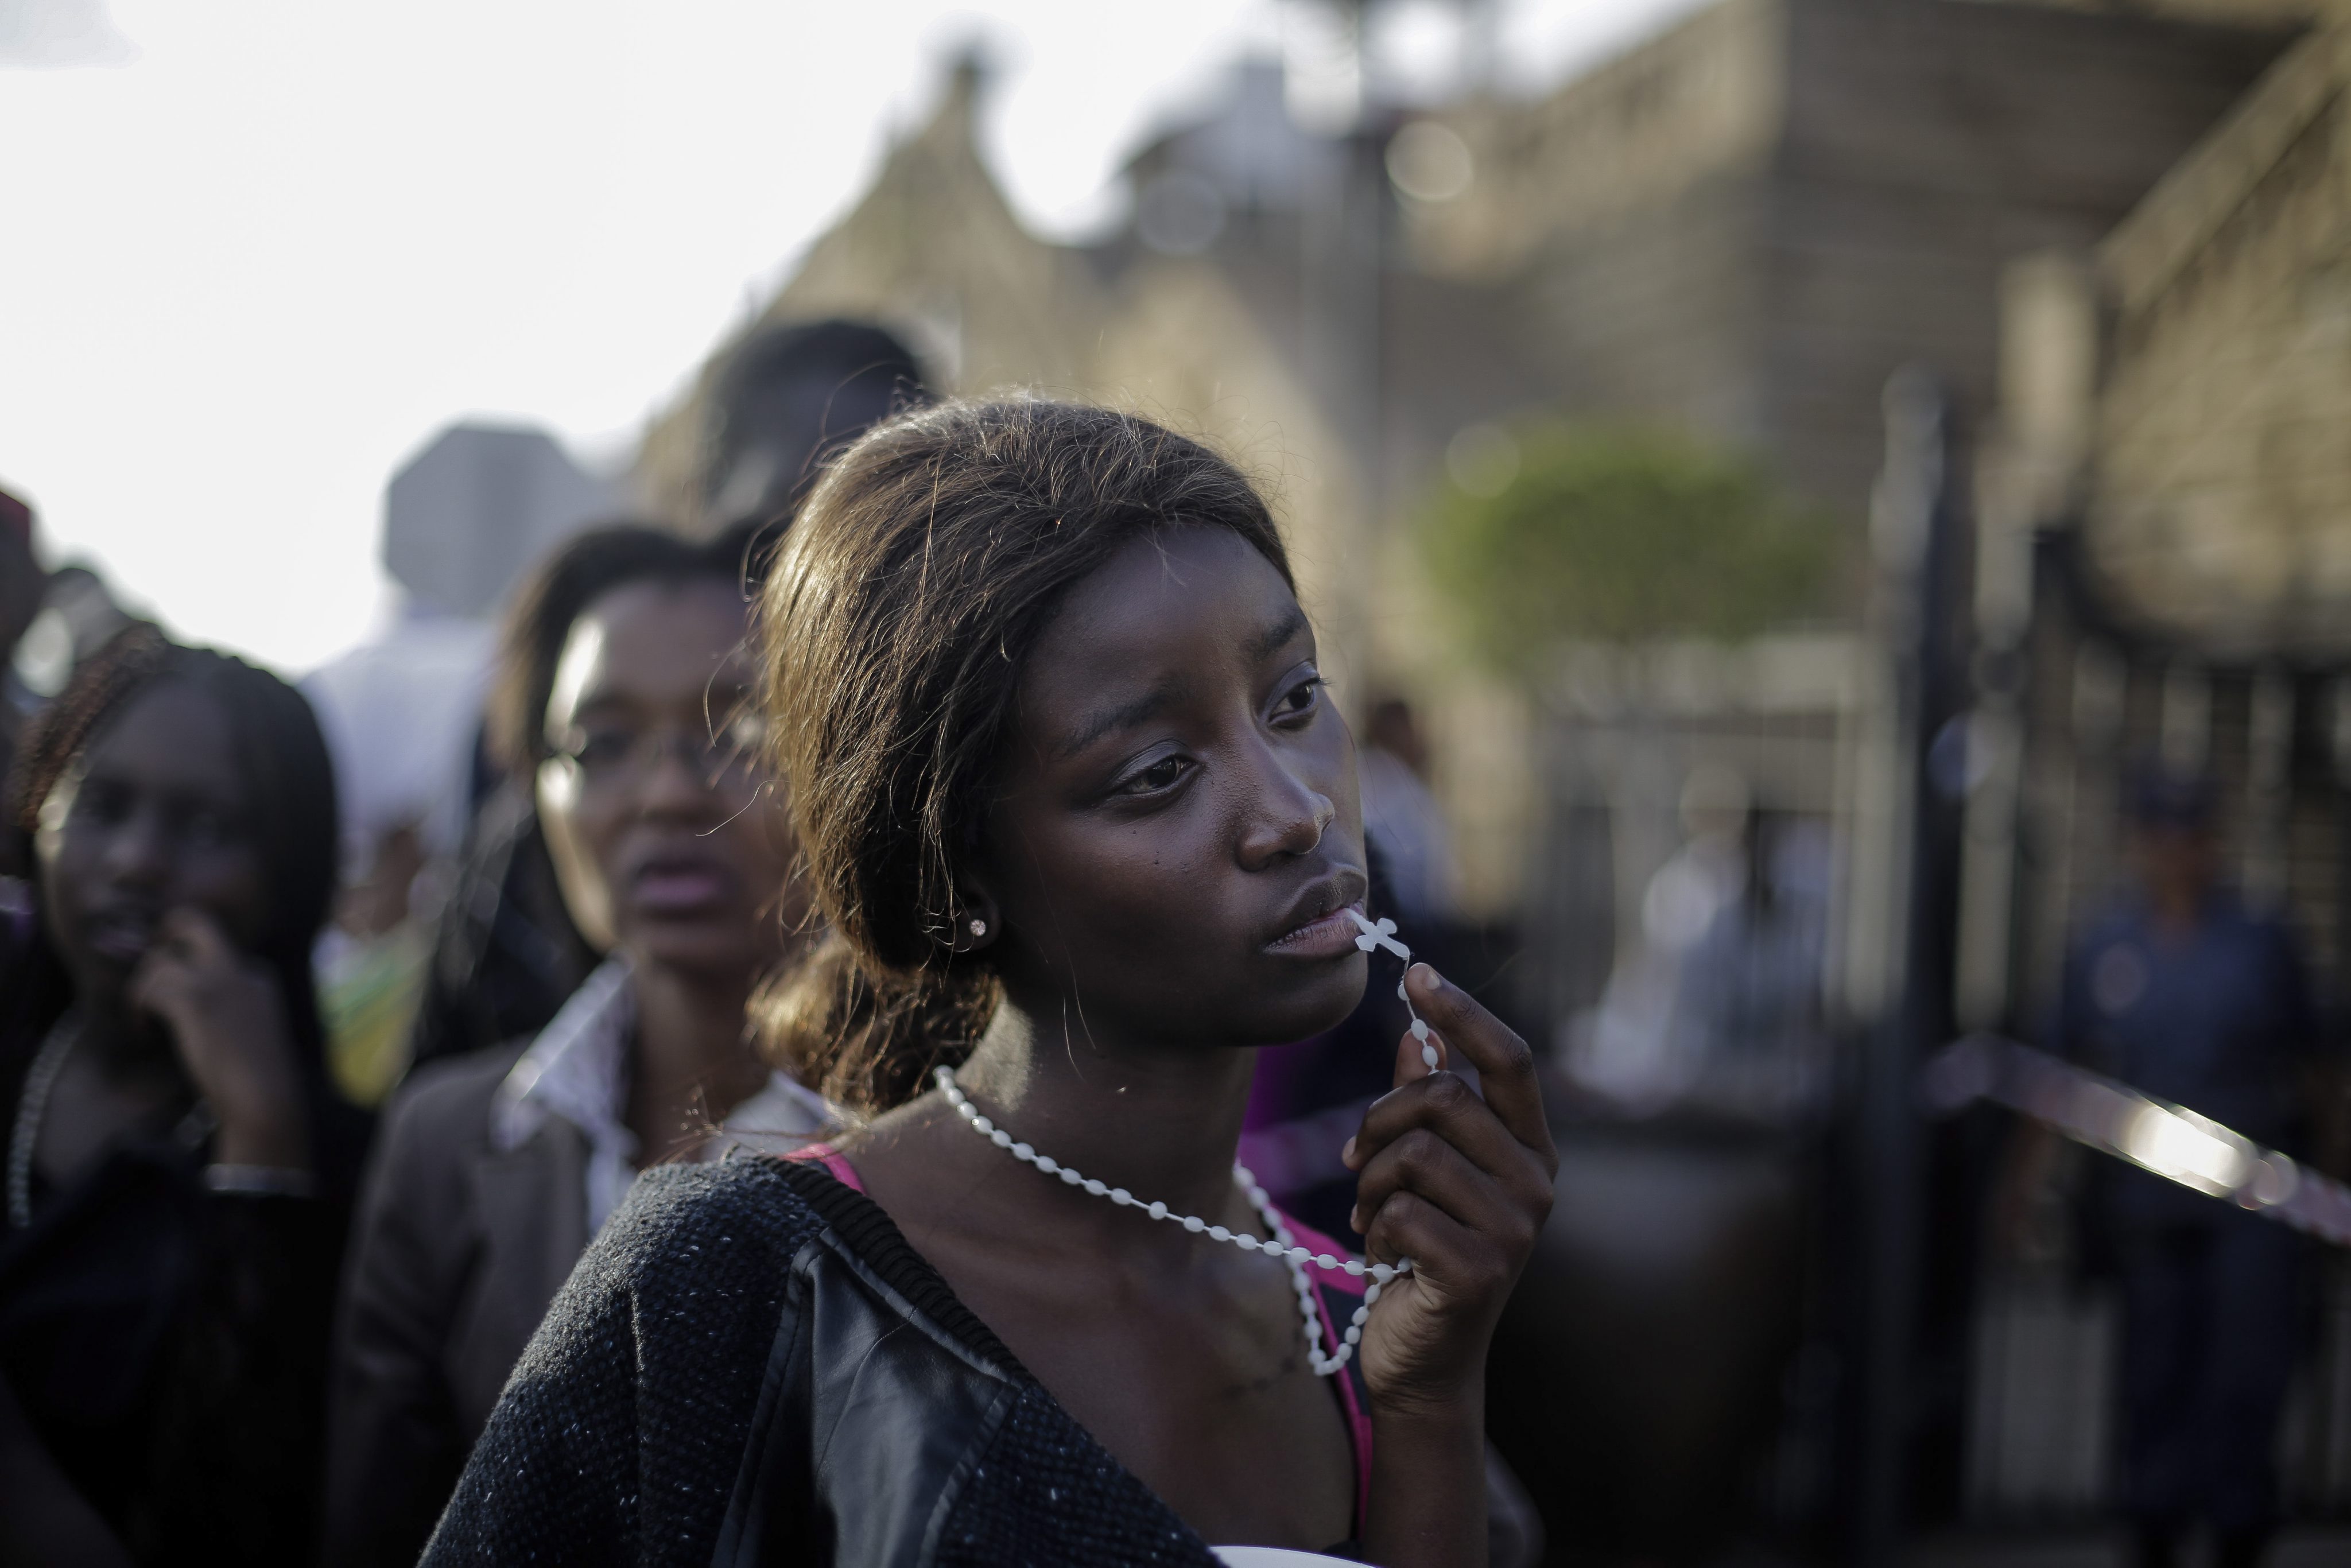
(1621, 534)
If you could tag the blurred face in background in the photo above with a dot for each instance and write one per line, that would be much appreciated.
(154, 817)
(669, 843)
(2177, 862)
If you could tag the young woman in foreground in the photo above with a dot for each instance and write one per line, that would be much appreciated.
(1084, 822)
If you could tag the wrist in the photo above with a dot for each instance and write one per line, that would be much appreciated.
(1431, 1414)
(259, 1111)
(271, 1141)
(1427, 1495)
(260, 1181)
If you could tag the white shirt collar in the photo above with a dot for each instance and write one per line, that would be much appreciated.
(578, 1069)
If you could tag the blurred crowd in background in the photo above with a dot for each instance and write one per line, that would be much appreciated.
(1834, 531)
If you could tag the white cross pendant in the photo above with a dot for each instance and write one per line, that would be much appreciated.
(1381, 934)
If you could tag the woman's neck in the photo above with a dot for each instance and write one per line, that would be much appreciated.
(1161, 1121)
(693, 1058)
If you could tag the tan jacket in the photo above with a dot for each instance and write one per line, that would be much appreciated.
(457, 1249)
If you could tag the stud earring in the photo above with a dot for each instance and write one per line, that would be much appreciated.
(978, 927)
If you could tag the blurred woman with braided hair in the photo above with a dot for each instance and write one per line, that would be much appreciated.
(177, 1167)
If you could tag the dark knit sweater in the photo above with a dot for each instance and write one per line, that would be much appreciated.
(642, 1424)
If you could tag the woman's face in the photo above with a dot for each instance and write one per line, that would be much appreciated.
(1178, 831)
(153, 817)
(669, 845)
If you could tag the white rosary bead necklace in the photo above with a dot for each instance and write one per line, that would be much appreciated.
(1379, 934)
(1283, 1245)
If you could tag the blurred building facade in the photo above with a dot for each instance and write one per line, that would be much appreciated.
(1741, 227)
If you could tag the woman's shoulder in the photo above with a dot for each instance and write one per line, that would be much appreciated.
(624, 1423)
(763, 1190)
(689, 1277)
(437, 1118)
(681, 1291)
(740, 1212)
(457, 1088)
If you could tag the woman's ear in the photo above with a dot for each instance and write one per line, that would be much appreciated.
(975, 918)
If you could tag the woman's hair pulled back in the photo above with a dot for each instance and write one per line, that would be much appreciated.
(901, 613)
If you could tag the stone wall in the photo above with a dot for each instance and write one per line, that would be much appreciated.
(1929, 146)
(2223, 478)
(1747, 224)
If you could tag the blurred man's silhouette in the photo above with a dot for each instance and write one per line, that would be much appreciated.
(788, 398)
(2183, 992)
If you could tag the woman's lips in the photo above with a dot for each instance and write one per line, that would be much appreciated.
(1331, 935)
(119, 939)
(679, 888)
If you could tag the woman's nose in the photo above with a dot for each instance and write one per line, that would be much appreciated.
(677, 781)
(1287, 816)
(138, 850)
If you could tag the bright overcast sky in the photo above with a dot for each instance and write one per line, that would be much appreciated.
(259, 251)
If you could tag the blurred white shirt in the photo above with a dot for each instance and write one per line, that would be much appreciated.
(578, 1069)
(401, 714)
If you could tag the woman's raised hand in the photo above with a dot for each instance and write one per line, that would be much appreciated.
(1459, 1183)
(228, 1024)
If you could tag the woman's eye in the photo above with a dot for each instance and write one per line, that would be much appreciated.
(1300, 699)
(104, 804)
(600, 749)
(1163, 774)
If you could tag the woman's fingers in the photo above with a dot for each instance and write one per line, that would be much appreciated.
(227, 1026)
(194, 937)
(1447, 1255)
(1459, 1183)
(1506, 1068)
(189, 947)
(1424, 1163)
(1444, 1104)
(1412, 1064)
(1482, 1127)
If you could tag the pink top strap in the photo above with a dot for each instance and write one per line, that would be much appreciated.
(831, 1159)
(1359, 1420)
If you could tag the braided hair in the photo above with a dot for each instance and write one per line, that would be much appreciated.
(284, 765)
